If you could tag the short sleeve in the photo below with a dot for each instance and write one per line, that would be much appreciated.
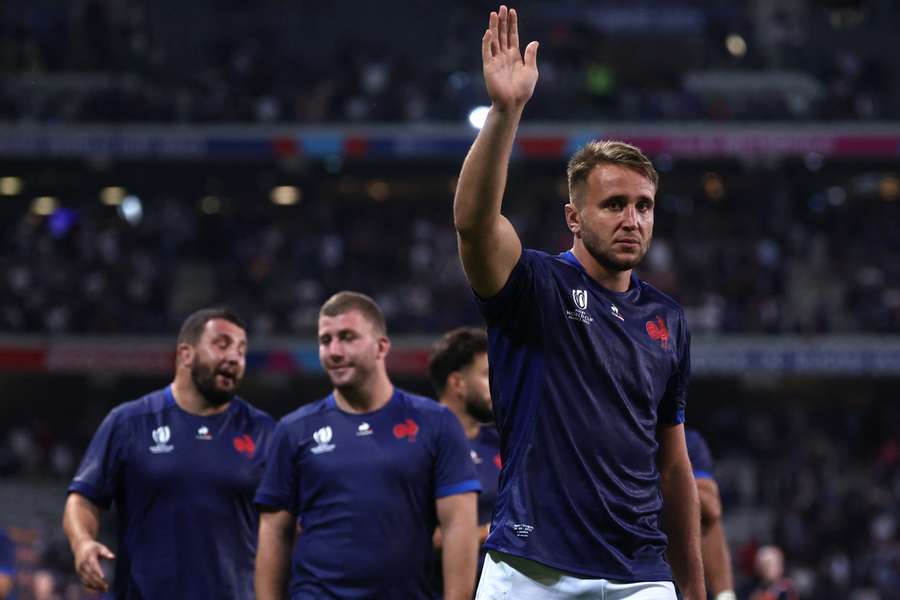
(671, 409)
(99, 470)
(701, 458)
(454, 471)
(516, 302)
(279, 487)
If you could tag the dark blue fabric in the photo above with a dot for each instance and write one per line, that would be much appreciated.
(580, 378)
(183, 486)
(485, 451)
(701, 458)
(364, 488)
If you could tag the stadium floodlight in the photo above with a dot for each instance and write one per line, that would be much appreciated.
(10, 186)
(478, 116)
(44, 205)
(113, 195)
(736, 45)
(285, 195)
(131, 209)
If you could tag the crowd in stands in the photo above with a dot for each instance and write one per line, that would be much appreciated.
(129, 61)
(769, 252)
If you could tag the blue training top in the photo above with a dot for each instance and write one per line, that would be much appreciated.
(364, 488)
(580, 378)
(183, 486)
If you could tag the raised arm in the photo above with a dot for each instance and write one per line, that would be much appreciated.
(681, 511)
(488, 245)
(81, 522)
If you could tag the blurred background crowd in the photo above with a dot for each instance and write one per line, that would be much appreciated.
(777, 247)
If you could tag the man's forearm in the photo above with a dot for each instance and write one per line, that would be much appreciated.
(273, 560)
(81, 520)
(460, 559)
(681, 522)
(482, 180)
(716, 559)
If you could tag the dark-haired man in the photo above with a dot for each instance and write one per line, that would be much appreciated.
(458, 369)
(182, 465)
(589, 370)
(369, 471)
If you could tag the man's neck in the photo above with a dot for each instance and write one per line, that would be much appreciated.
(617, 281)
(365, 398)
(190, 400)
(469, 424)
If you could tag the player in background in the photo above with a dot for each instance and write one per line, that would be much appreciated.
(182, 465)
(589, 370)
(458, 369)
(713, 544)
(771, 584)
(370, 471)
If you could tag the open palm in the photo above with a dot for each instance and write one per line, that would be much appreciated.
(510, 80)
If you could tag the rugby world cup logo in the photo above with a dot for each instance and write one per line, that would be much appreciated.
(161, 437)
(580, 297)
(322, 437)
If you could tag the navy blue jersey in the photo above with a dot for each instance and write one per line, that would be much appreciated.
(183, 487)
(580, 378)
(701, 457)
(364, 488)
(485, 453)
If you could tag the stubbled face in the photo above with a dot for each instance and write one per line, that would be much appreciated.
(613, 216)
(477, 389)
(349, 349)
(218, 361)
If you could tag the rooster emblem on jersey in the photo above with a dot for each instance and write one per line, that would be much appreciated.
(659, 332)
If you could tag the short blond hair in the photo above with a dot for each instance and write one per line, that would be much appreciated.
(346, 301)
(607, 152)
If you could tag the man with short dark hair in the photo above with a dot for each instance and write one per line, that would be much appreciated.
(458, 369)
(369, 472)
(182, 465)
(589, 370)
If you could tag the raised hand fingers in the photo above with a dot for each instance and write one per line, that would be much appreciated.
(504, 27)
(493, 29)
(513, 28)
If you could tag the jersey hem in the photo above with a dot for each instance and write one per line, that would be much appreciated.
(615, 577)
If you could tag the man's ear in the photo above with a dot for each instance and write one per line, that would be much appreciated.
(184, 355)
(456, 382)
(573, 219)
(384, 347)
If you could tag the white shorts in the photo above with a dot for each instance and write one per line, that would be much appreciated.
(507, 577)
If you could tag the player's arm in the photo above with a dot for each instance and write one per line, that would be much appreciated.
(488, 245)
(458, 518)
(681, 511)
(714, 547)
(81, 523)
(273, 555)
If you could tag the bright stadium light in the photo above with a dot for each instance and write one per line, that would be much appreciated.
(44, 205)
(285, 195)
(131, 210)
(113, 195)
(10, 186)
(478, 116)
(736, 45)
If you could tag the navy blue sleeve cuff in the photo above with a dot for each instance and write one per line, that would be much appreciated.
(703, 475)
(85, 489)
(271, 501)
(470, 485)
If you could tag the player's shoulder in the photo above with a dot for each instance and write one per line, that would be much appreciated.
(157, 401)
(650, 293)
(305, 412)
(253, 413)
(423, 405)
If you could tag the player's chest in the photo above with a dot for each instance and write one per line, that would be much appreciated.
(163, 454)
(367, 449)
